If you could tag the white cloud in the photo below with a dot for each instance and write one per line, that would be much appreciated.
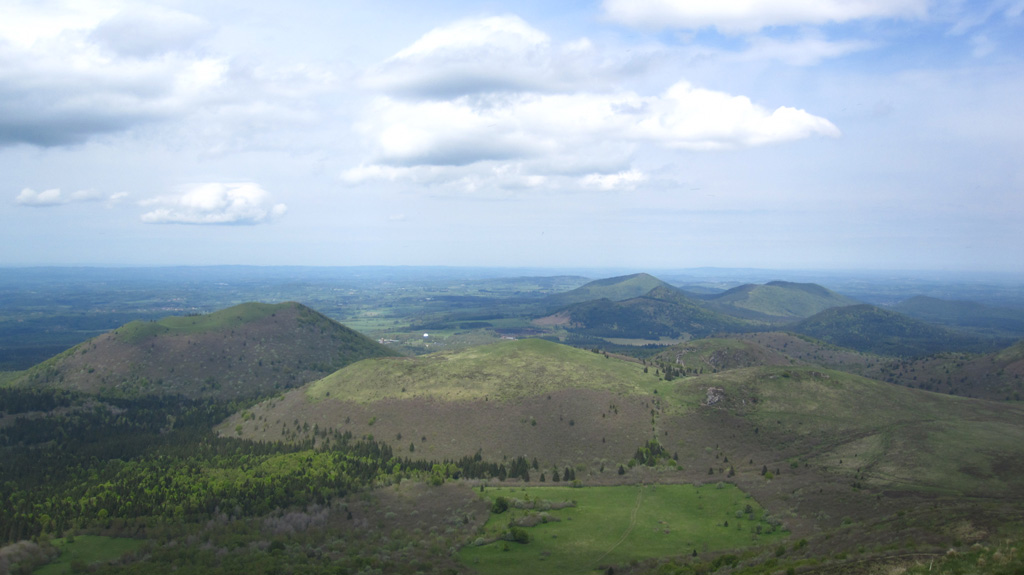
(72, 77)
(467, 56)
(497, 54)
(744, 16)
(26, 22)
(64, 90)
(806, 51)
(476, 105)
(522, 126)
(54, 197)
(698, 119)
(147, 30)
(215, 203)
(611, 181)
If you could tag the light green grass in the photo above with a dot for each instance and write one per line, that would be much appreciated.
(503, 371)
(87, 549)
(137, 331)
(9, 377)
(615, 525)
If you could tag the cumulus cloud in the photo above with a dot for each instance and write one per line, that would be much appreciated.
(472, 129)
(215, 203)
(744, 16)
(806, 51)
(496, 54)
(145, 31)
(698, 119)
(612, 181)
(65, 89)
(461, 111)
(68, 75)
(54, 197)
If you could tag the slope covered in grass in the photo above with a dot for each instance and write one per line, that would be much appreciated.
(243, 351)
(965, 314)
(614, 289)
(718, 354)
(874, 433)
(882, 332)
(997, 376)
(777, 301)
(502, 372)
(566, 406)
(662, 312)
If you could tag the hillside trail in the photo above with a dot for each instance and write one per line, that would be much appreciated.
(629, 529)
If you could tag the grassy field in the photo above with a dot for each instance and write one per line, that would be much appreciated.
(500, 371)
(87, 549)
(611, 526)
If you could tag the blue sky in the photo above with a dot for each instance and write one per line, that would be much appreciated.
(651, 134)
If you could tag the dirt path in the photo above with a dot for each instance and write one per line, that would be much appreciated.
(629, 529)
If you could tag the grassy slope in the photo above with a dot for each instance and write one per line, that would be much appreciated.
(778, 300)
(967, 314)
(806, 349)
(617, 525)
(614, 289)
(569, 406)
(664, 311)
(889, 437)
(138, 331)
(243, 351)
(995, 376)
(88, 549)
(871, 329)
(501, 371)
(718, 354)
(864, 461)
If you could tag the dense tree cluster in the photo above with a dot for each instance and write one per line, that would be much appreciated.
(127, 464)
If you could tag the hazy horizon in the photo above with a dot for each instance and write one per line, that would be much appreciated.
(877, 137)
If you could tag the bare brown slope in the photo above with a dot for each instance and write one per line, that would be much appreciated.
(244, 351)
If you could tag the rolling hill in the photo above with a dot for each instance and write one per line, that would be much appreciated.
(711, 355)
(570, 407)
(614, 289)
(662, 312)
(997, 376)
(871, 329)
(777, 301)
(965, 314)
(244, 351)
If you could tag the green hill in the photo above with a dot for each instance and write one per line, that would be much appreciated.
(711, 355)
(614, 289)
(882, 332)
(965, 314)
(244, 351)
(662, 312)
(572, 407)
(806, 349)
(777, 301)
(997, 376)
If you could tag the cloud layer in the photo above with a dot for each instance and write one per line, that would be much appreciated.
(492, 91)
(744, 16)
(215, 203)
(53, 197)
(108, 68)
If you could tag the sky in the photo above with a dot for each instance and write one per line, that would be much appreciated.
(643, 134)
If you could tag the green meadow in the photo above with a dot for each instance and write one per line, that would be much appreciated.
(616, 525)
(84, 550)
